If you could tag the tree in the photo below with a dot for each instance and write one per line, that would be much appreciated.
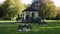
(46, 8)
(12, 8)
(1, 11)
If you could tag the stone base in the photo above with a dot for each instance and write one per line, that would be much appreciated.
(25, 30)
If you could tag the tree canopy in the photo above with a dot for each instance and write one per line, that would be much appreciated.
(11, 8)
(47, 9)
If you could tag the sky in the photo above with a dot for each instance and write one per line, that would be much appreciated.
(27, 1)
(1, 1)
(56, 2)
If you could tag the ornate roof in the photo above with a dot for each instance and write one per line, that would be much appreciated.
(30, 9)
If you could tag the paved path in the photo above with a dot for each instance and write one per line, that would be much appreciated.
(9, 22)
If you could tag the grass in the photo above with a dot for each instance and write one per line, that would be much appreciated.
(50, 28)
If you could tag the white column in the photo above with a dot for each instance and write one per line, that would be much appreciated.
(24, 15)
(36, 15)
(30, 14)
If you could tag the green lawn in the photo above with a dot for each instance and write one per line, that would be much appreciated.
(50, 28)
